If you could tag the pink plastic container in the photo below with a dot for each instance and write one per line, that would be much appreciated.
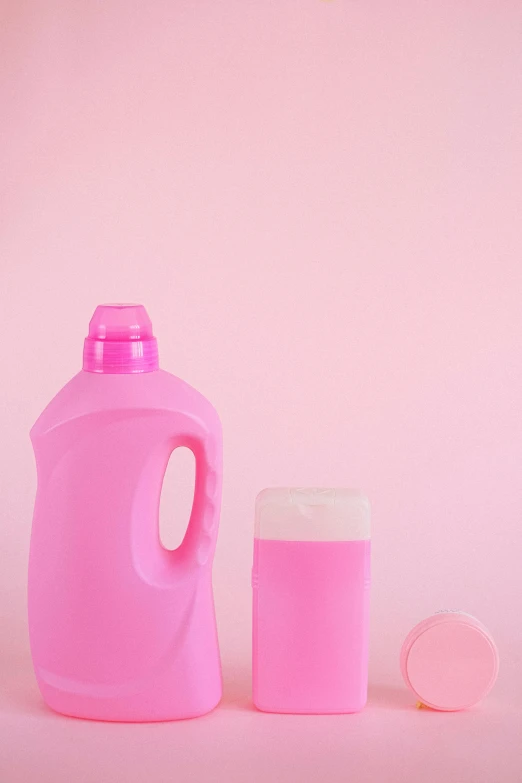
(311, 580)
(449, 661)
(121, 628)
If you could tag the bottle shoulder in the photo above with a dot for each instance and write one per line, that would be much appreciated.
(90, 393)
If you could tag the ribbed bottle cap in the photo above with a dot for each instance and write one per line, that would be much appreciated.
(120, 341)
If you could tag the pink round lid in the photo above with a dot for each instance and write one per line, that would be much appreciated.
(449, 661)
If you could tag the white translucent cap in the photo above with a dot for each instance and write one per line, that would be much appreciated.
(307, 514)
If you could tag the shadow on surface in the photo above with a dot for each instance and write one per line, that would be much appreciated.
(237, 692)
(389, 697)
(237, 688)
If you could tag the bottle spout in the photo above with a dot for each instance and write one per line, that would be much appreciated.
(120, 341)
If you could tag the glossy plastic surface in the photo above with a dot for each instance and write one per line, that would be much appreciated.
(121, 628)
(449, 661)
(311, 601)
(120, 340)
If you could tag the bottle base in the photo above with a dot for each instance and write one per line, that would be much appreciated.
(286, 710)
(136, 709)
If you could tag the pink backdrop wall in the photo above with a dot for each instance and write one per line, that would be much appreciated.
(320, 206)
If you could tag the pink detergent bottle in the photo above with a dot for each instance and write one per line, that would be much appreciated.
(122, 628)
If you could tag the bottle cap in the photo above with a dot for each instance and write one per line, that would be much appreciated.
(449, 661)
(312, 514)
(120, 341)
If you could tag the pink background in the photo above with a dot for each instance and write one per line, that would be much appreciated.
(320, 205)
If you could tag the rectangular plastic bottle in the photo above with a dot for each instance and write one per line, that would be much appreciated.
(311, 581)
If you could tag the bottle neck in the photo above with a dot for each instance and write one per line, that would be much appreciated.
(118, 357)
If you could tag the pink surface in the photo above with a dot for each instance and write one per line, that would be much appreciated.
(121, 628)
(320, 204)
(310, 625)
(449, 661)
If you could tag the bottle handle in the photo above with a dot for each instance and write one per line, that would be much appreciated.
(200, 536)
